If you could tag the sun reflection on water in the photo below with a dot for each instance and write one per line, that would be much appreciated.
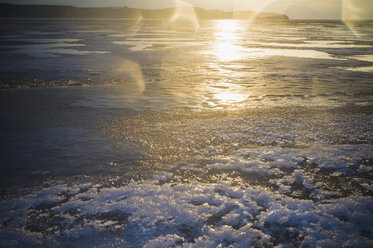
(226, 48)
(229, 98)
(227, 36)
(225, 94)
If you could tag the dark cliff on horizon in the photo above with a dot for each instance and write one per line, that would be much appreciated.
(54, 11)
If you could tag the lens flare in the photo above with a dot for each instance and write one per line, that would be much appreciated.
(134, 78)
(136, 25)
(257, 6)
(184, 12)
(354, 11)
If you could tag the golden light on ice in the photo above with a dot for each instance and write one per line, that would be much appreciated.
(226, 38)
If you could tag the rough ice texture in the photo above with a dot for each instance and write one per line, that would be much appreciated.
(262, 182)
(187, 215)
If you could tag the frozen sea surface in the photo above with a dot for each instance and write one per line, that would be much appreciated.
(224, 62)
(152, 134)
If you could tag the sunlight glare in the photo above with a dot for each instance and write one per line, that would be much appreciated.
(226, 38)
(226, 94)
(229, 98)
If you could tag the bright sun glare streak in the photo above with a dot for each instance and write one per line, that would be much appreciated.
(226, 38)
(225, 48)
(229, 98)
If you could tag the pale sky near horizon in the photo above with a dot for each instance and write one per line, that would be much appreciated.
(296, 9)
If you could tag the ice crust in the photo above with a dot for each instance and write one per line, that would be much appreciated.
(187, 215)
(262, 182)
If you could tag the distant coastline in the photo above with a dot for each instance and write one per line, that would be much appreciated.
(55, 11)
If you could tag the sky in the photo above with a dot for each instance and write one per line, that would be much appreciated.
(295, 9)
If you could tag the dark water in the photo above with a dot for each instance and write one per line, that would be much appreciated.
(151, 133)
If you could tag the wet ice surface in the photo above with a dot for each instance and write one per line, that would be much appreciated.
(175, 142)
